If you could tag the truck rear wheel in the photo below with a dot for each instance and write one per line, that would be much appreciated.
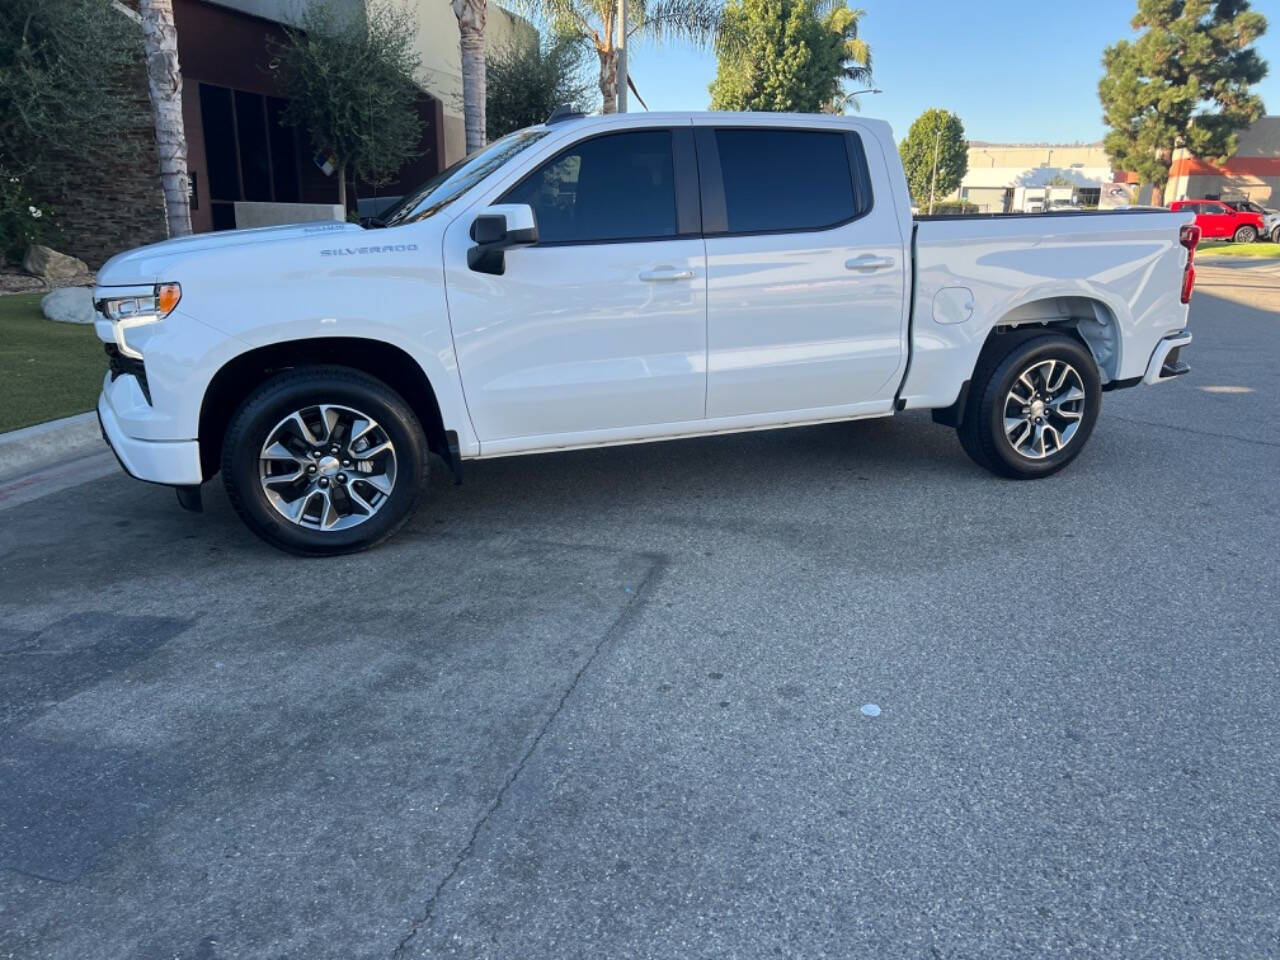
(324, 460)
(1031, 409)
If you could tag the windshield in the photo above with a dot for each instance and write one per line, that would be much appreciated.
(451, 182)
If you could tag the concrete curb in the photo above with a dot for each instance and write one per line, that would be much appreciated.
(1266, 264)
(45, 444)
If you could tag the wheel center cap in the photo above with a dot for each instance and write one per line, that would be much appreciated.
(1037, 408)
(328, 466)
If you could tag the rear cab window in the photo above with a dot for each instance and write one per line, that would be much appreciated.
(781, 180)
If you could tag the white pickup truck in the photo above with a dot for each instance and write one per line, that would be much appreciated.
(615, 279)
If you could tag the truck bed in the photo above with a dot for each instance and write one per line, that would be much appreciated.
(1116, 276)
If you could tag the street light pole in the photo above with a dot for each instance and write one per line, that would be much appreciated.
(622, 56)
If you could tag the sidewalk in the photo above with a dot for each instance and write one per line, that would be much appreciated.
(37, 448)
(1233, 277)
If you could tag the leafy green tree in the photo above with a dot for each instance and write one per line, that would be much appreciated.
(350, 84)
(71, 81)
(594, 24)
(528, 79)
(1191, 52)
(935, 155)
(788, 55)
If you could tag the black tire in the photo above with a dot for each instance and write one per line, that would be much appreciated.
(307, 387)
(982, 431)
(1245, 234)
(1275, 235)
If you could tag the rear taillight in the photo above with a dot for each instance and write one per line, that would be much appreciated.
(1190, 238)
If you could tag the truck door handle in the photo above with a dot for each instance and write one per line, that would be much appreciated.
(665, 275)
(868, 262)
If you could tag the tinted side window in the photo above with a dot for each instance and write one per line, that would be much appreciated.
(785, 179)
(617, 187)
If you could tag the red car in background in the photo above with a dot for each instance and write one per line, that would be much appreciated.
(1217, 221)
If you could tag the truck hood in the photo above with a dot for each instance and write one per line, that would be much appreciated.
(150, 264)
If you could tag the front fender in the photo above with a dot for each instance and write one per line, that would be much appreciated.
(391, 291)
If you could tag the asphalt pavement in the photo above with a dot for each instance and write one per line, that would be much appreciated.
(823, 692)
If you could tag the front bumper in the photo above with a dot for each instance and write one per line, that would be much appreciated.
(173, 462)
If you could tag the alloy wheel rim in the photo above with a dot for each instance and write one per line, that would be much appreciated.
(1044, 409)
(327, 467)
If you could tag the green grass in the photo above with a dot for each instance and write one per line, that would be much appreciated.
(1221, 248)
(47, 370)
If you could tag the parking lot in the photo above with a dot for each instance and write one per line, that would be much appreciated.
(610, 703)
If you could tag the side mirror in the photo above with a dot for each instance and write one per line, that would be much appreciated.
(498, 229)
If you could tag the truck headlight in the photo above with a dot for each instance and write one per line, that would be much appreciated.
(137, 307)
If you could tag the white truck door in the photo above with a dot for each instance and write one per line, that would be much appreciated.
(806, 272)
(601, 325)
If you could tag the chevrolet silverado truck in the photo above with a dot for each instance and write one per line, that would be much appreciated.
(619, 279)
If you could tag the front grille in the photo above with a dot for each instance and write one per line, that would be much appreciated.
(121, 365)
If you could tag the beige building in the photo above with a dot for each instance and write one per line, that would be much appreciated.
(1252, 174)
(1001, 177)
(442, 59)
(1001, 174)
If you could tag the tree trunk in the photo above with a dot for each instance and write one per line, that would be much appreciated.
(608, 80)
(342, 188)
(1158, 187)
(471, 17)
(164, 86)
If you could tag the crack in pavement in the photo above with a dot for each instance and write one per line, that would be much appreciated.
(1203, 433)
(658, 566)
(18, 871)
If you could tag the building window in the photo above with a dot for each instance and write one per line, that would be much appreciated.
(249, 155)
(1089, 196)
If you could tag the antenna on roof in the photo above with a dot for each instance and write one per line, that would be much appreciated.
(564, 112)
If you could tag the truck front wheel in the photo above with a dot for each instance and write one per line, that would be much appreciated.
(324, 460)
(1031, 409)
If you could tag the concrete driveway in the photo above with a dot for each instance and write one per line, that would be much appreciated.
(613, 703)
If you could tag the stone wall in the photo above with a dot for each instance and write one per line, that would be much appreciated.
(104, 208)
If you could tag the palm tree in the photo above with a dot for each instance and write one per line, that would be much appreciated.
(857, 53)
(856, 65)
(594, 22)
(471, 16)
(164, 86)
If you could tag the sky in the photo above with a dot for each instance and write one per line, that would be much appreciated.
(1014, 72)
